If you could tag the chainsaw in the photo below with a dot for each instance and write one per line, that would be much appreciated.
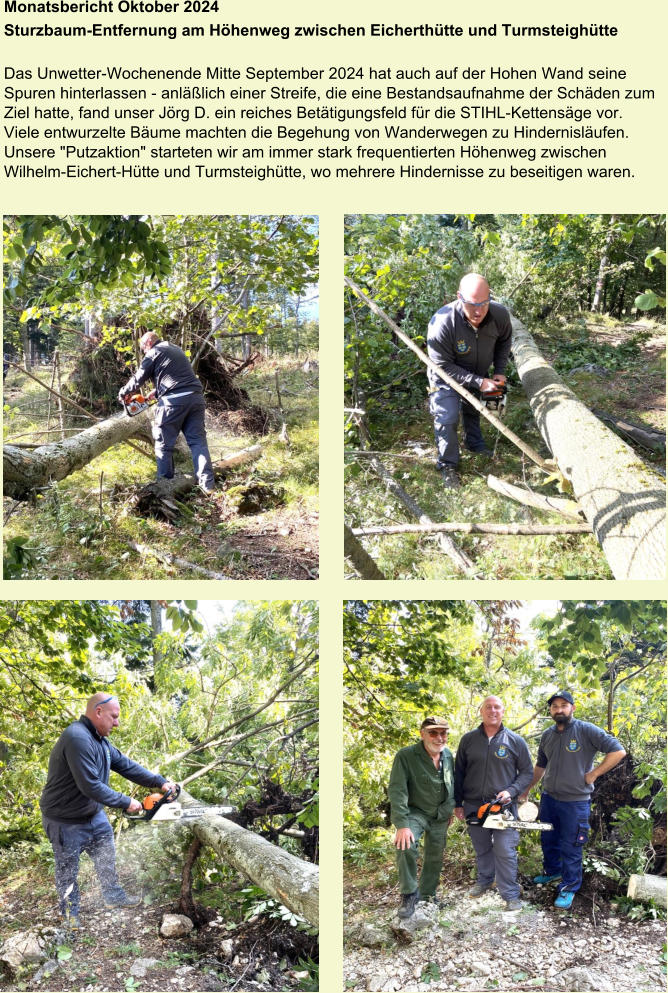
(135, 403)
(497, 816)
(496, 400)
(166, 807)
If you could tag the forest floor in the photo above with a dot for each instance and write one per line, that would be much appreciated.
(81, 527)
(475, 945)
(123, 950)
(616, 368)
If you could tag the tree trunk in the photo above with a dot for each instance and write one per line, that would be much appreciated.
(623, 500)
(283, 876)
(596, 304)
(360, 558)
(24, 471)
(647, 887)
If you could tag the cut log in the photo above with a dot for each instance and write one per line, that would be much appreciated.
(557, 505)
(283, 876)
(24, 472)
(623, 500)
(175, 560)
(358, 555)
(646, 887)
(238, 458)
(469, 527)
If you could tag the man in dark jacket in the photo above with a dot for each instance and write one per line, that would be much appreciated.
(421, 794)
(72, 799)
(565, 758)
(180, 406)
(464, 339)
(492, 763)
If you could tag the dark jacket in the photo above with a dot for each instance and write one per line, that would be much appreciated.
(416, 783)
(567, 755)
(168, 368)
(79, 767)
(464, 352)
(483, 768)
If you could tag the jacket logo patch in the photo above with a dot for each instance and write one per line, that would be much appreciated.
(463, 346)
(501, 751)
(573, 746)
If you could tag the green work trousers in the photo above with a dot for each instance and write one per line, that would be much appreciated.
(435, 834)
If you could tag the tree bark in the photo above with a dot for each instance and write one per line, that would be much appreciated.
(24, 471)
(283, 876)
(358, 555)
(642, 435)
(646, 887)
(623, 500)
(550, 504)
(603, 265)
(470, 527)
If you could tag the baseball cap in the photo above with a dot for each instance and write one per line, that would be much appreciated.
(564, 695)
(434, 722)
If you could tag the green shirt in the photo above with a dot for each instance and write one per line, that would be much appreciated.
(415, 782)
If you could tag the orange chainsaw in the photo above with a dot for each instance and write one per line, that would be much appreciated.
(135, 403)
(497, 816)
(496, 400)
(166, 807)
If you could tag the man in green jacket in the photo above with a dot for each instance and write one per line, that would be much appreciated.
(422, 799)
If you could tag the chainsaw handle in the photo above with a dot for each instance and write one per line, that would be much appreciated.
(168, 797)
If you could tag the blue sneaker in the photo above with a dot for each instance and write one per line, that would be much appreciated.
(564, 900)
(547, 879)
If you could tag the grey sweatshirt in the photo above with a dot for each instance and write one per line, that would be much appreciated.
(567, 755)
(483, 768)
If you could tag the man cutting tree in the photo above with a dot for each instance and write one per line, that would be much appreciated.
(76, 790)
(180, 406)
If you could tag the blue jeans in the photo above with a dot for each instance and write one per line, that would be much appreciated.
(563, 846)
(68, 842)
(185, 413)
(496, 855)
(445, 406)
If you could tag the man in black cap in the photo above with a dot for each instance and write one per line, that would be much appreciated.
(565, 759)
(422, 799)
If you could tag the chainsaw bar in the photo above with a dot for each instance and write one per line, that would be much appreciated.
(496, 816)
(175, 812)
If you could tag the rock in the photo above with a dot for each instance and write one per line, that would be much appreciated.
(592, 368)
(45, 970)
(582, 979)
(482, 968)
(140, 967)
(175, 926)
(23, 947)
(371, 937)
(227, 948)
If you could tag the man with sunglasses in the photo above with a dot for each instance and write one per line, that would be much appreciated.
(71, 803)
(492, 763)
(465, 338)
(422, 800)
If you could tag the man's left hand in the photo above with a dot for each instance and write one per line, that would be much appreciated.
(504, 796)
(499, 378)
(590, 777)
(168, 786)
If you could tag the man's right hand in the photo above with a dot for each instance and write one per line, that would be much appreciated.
(134, 807)
(459, 813)
(487, 385)
(403, 839)
(523, 797)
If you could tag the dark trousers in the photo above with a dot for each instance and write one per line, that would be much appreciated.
(445, 406)
(496, 856)
(68, 842)
(185, 414)
(563, 846)
(435, 836)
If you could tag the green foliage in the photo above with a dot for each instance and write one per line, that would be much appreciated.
(312, 982)
(256, 904)
(637, 911)
(431, 973)
(64, 953)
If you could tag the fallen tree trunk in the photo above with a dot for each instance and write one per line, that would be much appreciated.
(623, 500)
(358, 555)
(469, 527)
(283, 876)
(646, 887)
(557, 505)
(25, 471)
(653, 440)
(175, 560)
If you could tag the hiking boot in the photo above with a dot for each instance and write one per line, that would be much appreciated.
(451, 479)
(541, 880)
(122, 900)
(409, 902)
(564, 900)
(514, 904)
(432, 899)
(479, 888)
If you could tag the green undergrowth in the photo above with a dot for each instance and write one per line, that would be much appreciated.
(563, 556)
(81, 527)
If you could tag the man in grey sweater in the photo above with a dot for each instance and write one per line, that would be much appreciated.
(76, 790)
(492, 763)
(180, 406)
